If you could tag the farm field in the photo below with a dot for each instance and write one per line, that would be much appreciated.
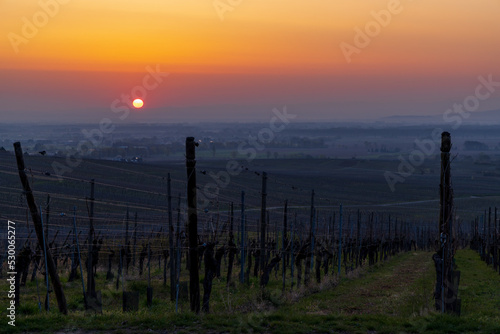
(356, 183)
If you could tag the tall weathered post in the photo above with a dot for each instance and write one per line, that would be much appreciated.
(127, 245)
(340, 241)
(232, 246)
(358, 238)
(495, 243)
(311, 229)
(243, 236)
(35, 215)
(446, 279)
(78, 252)
(171, 239)
(263, 223)
(194, 280)
(90, 275)
(135, 239)
(284, 241)
(47, 217)
(488, 239)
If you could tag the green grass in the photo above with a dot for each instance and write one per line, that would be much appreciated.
(390, 297)
(479, 287)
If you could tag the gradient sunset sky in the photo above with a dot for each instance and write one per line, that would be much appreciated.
(263, 54)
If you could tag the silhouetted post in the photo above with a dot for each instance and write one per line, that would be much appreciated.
(495, 243)
(309, 259)
(171, 238)
(334, 236)
(47, 217)
(483, 244)
(447, 281)
(358, 239)
(263, 223)
(389, 222)
(120, 273)
(194, 280)
(232, 246)
(178, 233)
(340, 241)
(79, 257)
(488, 239)
(90, 276)
(242, 231)
(371, 228)
(135, 239)
(149, 291)
(35, 215)
(127, 246)
(46, 224)
(178, 254)
(284, 240)
(292, 239)
(45, 248)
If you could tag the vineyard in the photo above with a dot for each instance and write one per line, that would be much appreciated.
(270, 241)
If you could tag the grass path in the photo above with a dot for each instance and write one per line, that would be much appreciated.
(385, 290)
(395, 297)
(384, 297)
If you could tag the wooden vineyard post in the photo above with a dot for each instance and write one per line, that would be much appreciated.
(90, 276)
(232, 246)
(495, 243)
(358, 238)
(194, 280)
(127, 245)
(349, 242)
(340, 241)
(45, 248)
(446, 278)
(263, 224)
(292, 242)
(46, 225)
(47, 217)
(171, 239)
(483, 235)
(242, 231)
(79, 257)
(488, 239)
(149, 291)
(310, 258)
(35, 215)
(284, 241)
(135, 239)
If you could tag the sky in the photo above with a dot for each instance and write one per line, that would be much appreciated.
(236, 60)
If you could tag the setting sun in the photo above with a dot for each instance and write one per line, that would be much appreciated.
(138, 103)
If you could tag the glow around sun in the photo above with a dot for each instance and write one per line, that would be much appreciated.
(138, 103)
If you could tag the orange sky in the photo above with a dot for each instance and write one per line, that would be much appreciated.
(270, 52)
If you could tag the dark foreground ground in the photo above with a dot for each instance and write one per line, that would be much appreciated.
(392, 297)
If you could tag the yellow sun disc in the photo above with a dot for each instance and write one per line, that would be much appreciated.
(138, 103)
